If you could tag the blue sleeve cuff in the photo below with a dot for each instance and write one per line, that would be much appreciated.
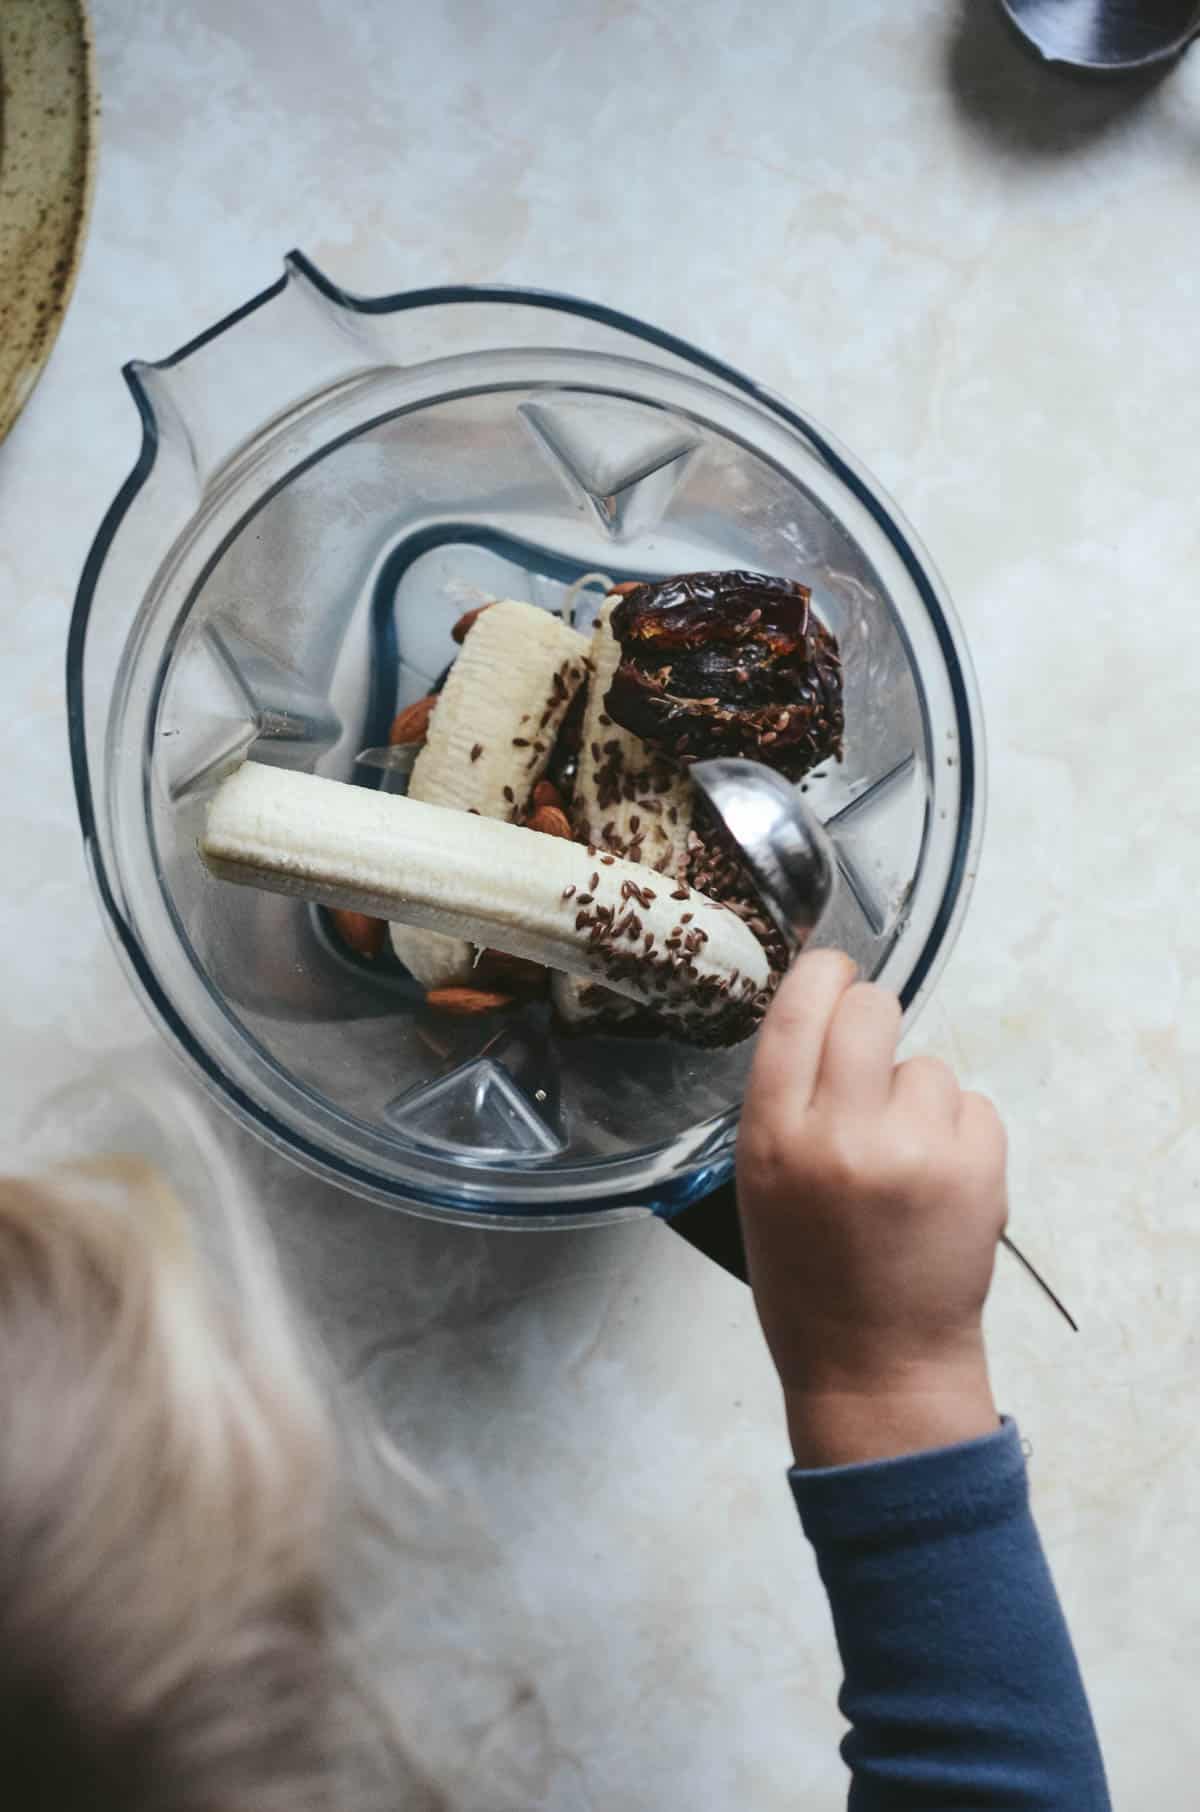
(947, 1489)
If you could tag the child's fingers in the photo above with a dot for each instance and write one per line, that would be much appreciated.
(982, 1132)
(788, 1053)
(928, 1089)
(860, 1048)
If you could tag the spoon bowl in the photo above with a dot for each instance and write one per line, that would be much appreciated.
(786, 847)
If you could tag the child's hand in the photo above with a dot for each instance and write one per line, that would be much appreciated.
(872, 1198)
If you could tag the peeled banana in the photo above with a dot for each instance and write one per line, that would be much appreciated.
(626, 801)
(488, 743)
(563, 904)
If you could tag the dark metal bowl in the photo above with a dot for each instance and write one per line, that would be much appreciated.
(1106, 36)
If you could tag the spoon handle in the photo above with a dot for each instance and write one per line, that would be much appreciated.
(712, 1226)
(1040, 1281)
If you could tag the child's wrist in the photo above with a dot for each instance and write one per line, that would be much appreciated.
(851, 1423)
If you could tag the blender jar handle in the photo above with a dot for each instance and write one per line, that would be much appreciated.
(264, 364)
(712, 1226)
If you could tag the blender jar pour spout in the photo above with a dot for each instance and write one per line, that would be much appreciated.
(289, 347)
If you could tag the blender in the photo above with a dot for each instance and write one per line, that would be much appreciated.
(327, 482)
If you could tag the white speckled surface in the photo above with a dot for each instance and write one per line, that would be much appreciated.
(985, 279)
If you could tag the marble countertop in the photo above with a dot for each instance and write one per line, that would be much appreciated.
(984, 277)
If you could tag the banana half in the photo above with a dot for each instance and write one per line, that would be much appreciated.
(628, 802)
(592, 915)
(490, 737)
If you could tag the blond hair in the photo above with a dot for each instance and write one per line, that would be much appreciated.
(177, 1520)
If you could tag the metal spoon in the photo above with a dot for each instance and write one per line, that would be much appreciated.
(789, 853)
(787, 848)
(1106, 36)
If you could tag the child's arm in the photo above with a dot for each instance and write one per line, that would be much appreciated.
(872, 1198)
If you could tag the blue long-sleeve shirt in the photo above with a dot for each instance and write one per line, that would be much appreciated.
(961, 1685)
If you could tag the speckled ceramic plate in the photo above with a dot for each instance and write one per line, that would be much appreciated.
(47, 160)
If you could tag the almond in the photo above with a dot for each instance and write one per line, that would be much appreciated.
(466, 1001)
(412, 724)
(626, 586)
(466, 623)
(551, 821)
(546, 793)
(359, 933)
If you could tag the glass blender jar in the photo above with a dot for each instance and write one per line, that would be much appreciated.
(326, 483)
